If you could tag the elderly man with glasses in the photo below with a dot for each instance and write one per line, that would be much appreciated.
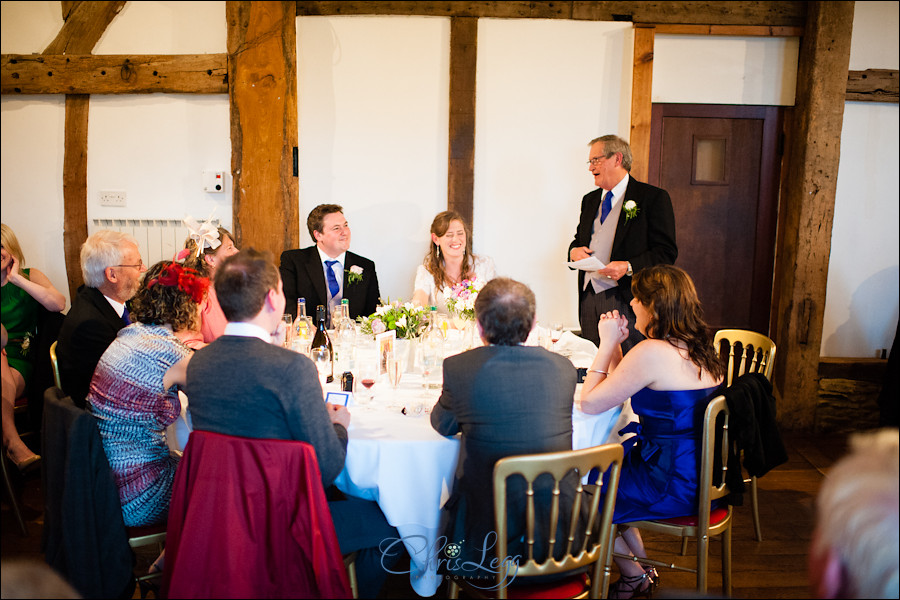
(112, 268)
(627, 225)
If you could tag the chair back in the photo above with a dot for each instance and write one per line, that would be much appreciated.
(713, 460)
(748, 352)
(249, 519)
(586, 542)
(55, 365)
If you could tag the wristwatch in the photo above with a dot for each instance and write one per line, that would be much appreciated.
(629, 272)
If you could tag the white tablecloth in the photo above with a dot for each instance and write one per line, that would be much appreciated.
(401, 463)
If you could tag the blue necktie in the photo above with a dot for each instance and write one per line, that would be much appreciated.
(126, 316)
(606, 206)
(333, 285)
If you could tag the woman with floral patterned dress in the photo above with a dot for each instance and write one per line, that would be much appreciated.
(23, 292)
(449, 261)
(133, 395)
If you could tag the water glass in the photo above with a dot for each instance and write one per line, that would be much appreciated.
(322, 359)
(288, 322)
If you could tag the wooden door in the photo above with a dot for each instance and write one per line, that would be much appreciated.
(720, 165)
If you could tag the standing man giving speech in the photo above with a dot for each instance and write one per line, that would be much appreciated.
(627, 225)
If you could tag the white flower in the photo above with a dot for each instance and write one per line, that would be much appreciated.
(358, 270)
(630, 205)
(401, 322)
(631, 209)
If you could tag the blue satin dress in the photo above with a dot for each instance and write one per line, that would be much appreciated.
(659, 477)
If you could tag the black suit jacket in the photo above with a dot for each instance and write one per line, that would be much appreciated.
(304, 277)
(506, 400)
(645, 240)
(87, 331)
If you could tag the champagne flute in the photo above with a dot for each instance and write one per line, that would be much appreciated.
(395, 371)
(322, 360)
(288, 327)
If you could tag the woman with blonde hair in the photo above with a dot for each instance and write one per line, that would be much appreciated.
(449, 261)
(206, 247)
(23, 291)
(670, 377)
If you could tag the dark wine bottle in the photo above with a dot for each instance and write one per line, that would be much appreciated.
(321, 339)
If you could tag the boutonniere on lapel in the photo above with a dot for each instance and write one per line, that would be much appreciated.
(354, 274)
(631, 209)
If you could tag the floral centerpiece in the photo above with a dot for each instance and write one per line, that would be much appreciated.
(461, 301)
(406, 318)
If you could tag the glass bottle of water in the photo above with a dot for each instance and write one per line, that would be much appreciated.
(345, 332)
(302, 333)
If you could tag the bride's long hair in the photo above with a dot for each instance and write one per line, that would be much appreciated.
(434, 262)
(676, 315)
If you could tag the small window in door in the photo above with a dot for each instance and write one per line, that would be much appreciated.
(709, 161)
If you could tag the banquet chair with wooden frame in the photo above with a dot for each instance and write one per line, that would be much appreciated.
(55, 365)
(707, 522)
(595, 547)
(748, 352)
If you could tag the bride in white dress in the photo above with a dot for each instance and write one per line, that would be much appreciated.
(449, 260)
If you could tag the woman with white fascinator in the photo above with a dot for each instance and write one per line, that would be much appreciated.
(207, 246)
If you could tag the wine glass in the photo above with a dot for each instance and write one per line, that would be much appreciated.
(368, 374)
(322, 359)
(441, 324)
(556, 331)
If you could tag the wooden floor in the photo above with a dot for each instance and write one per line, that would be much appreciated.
(773, 568)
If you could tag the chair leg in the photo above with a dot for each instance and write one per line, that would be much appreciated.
(350, 565)
(13, 501)
(702, 562)
(754, 503)
(453, 591)
(684, 543)
(726, 562)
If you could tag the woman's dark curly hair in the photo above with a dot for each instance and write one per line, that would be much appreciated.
(169, 295)
(669, 295)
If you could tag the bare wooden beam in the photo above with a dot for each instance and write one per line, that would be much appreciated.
(75, 187)
(461, 167)
(641, 101)
(262, 50)
(734, 30)
(873, 85)
(85, 23)
(807, 213)
(776, 14)
(113, 74)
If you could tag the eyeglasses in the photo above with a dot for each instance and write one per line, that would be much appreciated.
(139, 266)
(598, 159)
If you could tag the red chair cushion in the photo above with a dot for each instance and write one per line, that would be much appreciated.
(716, 516)
(570, 587)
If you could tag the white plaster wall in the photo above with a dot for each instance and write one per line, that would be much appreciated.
(861, 307)
(154, 147)
(373, 95)
(545, 88)
(703, 69)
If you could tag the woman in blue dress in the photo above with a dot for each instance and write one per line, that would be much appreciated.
(670, 377)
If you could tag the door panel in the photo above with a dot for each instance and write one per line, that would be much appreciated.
(717, 165)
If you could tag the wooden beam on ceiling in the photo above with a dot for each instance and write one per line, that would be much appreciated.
(873, 85)
(262, 64)
(775, 14)
(807, 209)
(113, 74)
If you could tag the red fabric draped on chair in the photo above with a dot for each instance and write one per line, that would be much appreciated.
(249, 519)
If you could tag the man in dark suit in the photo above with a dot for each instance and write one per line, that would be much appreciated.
(506, 399)
(112, 266)
(627, 225)
(328, 272)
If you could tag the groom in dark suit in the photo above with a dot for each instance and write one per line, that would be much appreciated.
(628, 226)
(328, 272)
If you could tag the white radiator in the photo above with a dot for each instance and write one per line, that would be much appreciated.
(158, 239)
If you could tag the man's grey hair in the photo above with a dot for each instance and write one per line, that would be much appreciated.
(613, 144)
(101, 250)
(857, 515)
